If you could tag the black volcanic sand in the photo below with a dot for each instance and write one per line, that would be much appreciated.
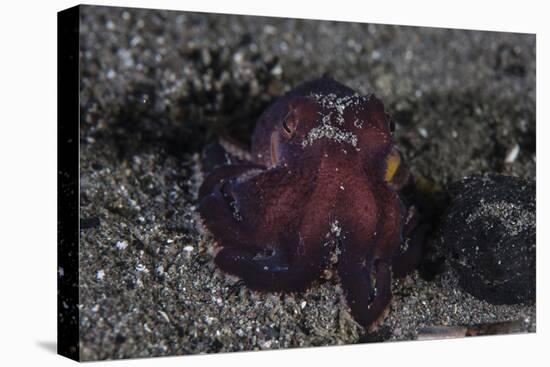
(156, 86)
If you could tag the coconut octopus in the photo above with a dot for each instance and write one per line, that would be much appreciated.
(321, 190)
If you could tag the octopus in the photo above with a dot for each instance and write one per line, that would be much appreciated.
(321, 193)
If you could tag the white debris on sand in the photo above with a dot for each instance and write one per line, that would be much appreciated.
(512, 154)
(100, 274)
(121, 245)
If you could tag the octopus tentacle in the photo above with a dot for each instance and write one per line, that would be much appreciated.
(289, 259)
(405, 262)
(220, 220)
(366, 281)
(364, 265)
(275, 269)
(221, 153)
(224, 173)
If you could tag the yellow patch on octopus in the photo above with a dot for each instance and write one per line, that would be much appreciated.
(393, 161)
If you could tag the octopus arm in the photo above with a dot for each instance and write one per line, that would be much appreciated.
(367, 245)
(234, 201)
(289, 253)
(223, 152)
(225, 173)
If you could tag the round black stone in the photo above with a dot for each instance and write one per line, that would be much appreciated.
(488, 235)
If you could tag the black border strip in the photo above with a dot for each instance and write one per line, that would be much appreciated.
(68, 22)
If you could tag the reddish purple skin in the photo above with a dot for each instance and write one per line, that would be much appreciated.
(280, 218)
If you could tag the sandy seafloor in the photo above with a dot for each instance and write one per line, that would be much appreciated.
(156, 86)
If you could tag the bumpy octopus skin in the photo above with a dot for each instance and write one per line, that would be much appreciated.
(318, 191)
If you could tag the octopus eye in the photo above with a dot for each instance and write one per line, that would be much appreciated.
(289, 124)
(286, 128)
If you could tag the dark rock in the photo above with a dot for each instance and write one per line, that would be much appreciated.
(216, 345)
(119, 339)
(509, 61)
(379, 335)
(92, 222)
(488, 235)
